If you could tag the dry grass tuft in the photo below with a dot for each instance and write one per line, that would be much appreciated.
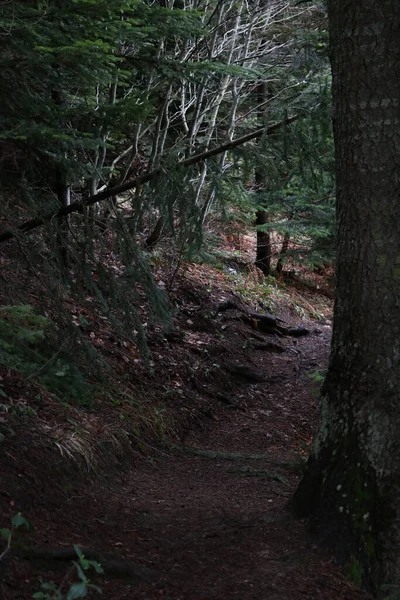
(87, 439)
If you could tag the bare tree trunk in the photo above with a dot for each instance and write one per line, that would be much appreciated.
(263, 258)
(351, 487)
(264, 250)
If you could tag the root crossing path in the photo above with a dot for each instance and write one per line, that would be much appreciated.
(207, 520)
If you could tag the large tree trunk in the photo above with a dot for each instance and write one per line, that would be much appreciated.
(351, 486)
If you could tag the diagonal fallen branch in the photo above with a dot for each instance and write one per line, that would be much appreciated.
(28, 226)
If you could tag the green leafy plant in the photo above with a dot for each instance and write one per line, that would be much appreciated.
(7, 533)
(75, 590)
(50, 590)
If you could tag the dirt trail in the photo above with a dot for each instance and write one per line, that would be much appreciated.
(214, 528)
(209, 524)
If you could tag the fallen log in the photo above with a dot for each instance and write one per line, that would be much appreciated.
(270, 324)
(265, 322)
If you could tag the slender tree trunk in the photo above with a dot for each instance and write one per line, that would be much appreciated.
(284, 249)
(351, 486)
(263, 258)
(264, 250)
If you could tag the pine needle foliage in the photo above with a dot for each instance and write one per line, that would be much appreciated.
(29, 344)
(299, 190)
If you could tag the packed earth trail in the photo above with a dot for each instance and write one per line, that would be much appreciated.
(213, 519)
(206, 519)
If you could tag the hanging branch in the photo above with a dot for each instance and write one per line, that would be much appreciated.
(125, 187)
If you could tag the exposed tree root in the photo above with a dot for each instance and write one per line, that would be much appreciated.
(112, 566)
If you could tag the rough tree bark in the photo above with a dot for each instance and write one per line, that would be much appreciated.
(351, 486)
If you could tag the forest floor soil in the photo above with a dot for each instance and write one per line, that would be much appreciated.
(204, 516)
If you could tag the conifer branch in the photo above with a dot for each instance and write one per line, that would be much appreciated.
(28, 226)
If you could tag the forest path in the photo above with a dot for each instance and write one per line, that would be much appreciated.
(216, 526)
